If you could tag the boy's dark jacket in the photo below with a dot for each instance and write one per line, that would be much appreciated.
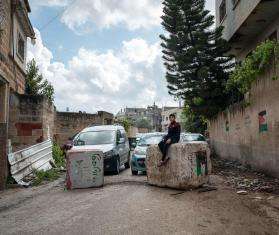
(174, 130)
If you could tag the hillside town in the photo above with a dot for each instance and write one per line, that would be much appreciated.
(150, 117)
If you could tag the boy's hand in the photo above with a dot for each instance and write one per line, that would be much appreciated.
(168, 141)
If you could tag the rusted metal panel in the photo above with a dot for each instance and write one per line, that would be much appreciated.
(85, 169)
(36, 157)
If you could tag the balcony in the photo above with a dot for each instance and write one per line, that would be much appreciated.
(245, 21)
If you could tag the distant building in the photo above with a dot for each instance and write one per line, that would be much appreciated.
(151, 113)
(15, 28)
(247, 23)
(166, 112)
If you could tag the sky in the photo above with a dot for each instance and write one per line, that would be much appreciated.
(101, 54)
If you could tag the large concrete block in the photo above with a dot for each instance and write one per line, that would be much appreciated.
(85, 169)
(189, 166)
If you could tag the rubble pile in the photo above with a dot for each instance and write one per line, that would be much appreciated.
(243, 177)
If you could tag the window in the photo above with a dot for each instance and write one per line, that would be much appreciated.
(20, 47)
(222, 10)
(95, 138)
(123, 135)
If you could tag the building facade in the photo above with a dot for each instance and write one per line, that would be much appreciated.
(15, 28)
(247, 23)
(152, 114)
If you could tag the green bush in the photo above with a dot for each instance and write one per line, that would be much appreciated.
(253, 66)
(49, 175)
(58, 155)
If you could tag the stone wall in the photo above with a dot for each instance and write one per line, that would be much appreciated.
(31, 118)
(68, 124)
(251, 134)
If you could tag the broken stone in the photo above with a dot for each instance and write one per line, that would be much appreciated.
(270, 198)
(257, 198)
(189, 166)
(242, 192)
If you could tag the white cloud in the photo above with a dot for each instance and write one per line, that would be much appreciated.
(108, 81)
(138, 51)
(84, 15)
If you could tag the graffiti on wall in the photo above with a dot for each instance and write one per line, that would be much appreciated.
(227, 126)
(263, 121)
(201, 161)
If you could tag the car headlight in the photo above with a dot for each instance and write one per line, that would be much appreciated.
(139, 152)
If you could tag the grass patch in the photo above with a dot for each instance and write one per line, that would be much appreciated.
(41, 176)
(58, 156)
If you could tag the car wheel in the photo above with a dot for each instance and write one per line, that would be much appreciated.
(134, 172)
(127, 164)
(117, 167)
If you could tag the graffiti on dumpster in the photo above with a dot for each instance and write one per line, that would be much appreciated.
(201, 161)
(85, 169)
(96, 170)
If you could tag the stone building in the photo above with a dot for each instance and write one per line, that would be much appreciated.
(249, 134)
(152, 113)
(15, 28)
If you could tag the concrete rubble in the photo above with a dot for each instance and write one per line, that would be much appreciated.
(189, 166)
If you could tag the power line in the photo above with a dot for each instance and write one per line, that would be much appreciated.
(56, 16)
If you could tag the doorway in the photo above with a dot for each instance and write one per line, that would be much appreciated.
(4, 106)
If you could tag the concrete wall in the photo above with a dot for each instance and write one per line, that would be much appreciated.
(236, 134)
(68, 124)
(31, 118)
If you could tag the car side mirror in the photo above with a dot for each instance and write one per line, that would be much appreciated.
(79, 142)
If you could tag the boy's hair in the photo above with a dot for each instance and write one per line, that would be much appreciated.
(172, 115)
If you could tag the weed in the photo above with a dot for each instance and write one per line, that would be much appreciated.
(58, 156)
(49, 175)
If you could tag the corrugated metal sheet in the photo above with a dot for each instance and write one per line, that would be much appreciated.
(25, 161)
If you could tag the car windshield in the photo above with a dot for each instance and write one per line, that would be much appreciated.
(148, 140)
(193, 137)
(95, 138)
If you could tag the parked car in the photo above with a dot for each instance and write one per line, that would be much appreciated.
(139, 154)
(109, 139)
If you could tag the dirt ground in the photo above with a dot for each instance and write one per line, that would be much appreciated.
(128, 205)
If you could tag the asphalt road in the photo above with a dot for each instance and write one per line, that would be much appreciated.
(127, 205)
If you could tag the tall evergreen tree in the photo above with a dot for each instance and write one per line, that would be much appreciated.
(35, 83)
(194, 55)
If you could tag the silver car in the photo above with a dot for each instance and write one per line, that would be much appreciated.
(111, 140)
